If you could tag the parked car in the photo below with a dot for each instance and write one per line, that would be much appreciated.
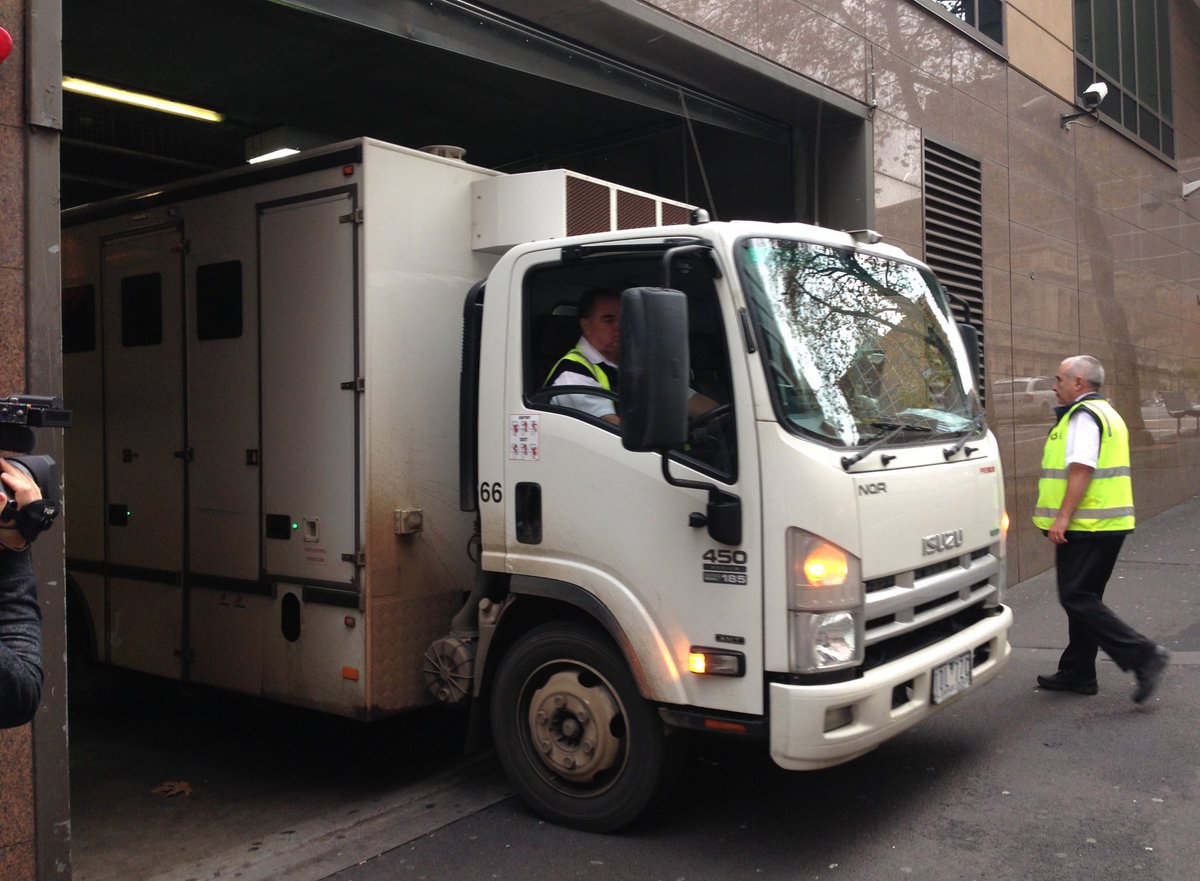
(1030, 397)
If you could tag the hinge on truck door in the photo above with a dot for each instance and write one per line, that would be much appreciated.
(358, 384)
(355, 216)
(358, 558)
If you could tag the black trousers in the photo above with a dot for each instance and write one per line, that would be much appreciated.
(1083, 566)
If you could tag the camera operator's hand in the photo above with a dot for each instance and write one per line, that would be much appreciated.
(16, 484)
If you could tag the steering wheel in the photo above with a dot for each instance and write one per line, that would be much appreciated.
(715, 416)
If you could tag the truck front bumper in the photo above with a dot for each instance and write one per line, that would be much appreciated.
(824, 725)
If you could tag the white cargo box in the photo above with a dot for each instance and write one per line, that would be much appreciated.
(539, 205)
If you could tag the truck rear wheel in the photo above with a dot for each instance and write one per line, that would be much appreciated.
(577, 740)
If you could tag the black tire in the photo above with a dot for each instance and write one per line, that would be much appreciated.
(577, 740)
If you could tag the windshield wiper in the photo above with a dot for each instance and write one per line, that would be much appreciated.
(890, 430)
(949, 452)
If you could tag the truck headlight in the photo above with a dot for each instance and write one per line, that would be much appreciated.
(825, 602)
(825, 641)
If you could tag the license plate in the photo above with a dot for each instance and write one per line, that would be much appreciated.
(951, 677)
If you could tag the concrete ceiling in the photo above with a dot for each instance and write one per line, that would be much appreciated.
(264, 64)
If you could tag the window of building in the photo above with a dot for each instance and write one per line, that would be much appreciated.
(1125, 45)
(985, 16)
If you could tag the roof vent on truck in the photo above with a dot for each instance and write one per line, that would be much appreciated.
(865, 236)
(446, 151)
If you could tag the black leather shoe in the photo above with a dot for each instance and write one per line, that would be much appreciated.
(1150, 673)
(1060, 682)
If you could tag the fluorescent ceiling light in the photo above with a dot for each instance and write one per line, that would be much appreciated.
(274, 154)
(112, 93)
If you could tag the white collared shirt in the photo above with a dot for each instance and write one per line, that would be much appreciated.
(593, 405)
(1083, 437)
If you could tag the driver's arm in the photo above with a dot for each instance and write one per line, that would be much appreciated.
(699, 404)
(594, 405)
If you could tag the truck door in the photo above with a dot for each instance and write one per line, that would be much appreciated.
(222, 426)
(582, 509)
(224, 522)
(310, 391)
(144, 458)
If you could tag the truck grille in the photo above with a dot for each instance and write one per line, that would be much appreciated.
(906, 611)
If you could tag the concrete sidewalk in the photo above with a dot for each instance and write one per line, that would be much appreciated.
(1155, 588)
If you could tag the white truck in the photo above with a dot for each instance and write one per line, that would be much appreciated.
(302, 468)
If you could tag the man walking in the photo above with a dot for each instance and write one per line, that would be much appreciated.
(1085, 506)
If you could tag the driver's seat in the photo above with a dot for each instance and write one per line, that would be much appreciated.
(553, 336)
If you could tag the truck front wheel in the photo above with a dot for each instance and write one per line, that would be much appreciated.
(577, 740)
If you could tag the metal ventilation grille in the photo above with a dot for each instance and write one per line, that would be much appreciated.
(589, 207)
(635, 211)
(954, 233)
(673, 214)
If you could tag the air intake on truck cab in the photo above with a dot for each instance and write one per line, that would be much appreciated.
(515, 208)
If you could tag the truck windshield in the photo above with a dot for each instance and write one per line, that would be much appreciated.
(857, 347)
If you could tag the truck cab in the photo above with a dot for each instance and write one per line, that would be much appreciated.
(817, 561)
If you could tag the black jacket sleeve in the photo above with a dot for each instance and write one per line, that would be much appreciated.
(20, 640)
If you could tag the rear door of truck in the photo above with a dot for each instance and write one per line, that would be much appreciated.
(310, 397)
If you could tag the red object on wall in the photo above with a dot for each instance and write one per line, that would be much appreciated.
(5, 44)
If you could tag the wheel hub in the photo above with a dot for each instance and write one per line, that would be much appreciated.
(572, 726)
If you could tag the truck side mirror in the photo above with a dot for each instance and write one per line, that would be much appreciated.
(654, 369)
(654, 396)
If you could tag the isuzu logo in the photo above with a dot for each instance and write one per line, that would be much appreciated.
(941, 541)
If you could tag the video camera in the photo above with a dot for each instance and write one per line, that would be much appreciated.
(19, 415)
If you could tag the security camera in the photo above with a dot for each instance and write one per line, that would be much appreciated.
(1094, 95)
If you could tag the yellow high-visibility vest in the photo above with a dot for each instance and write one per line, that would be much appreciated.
(1107, 505)
(578, 357)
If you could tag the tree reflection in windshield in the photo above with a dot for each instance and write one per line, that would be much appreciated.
(853, 340)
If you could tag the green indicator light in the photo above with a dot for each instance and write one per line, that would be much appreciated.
(295, 526)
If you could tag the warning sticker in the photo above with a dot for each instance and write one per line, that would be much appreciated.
(523, 434)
